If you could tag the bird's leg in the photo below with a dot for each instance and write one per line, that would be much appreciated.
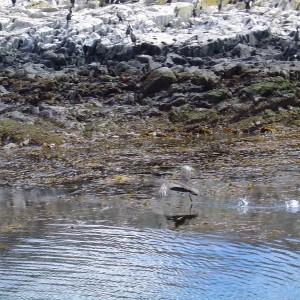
(190, 195)
(191, 202)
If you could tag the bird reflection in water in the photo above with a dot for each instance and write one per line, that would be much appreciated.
(181, 219)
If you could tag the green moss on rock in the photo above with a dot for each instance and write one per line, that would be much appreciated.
(277, 86)
(190, 115)
(37, 134)
(218, 95)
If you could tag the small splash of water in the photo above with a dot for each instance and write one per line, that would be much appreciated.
(243, 201)
(292, 206)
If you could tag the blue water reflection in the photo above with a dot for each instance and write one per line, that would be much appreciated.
(100, 261)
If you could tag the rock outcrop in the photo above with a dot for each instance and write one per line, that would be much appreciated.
(38, 31)
(203, 68)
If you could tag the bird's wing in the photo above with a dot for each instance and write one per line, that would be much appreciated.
(183, 187)
(194, 191)
(163, 190)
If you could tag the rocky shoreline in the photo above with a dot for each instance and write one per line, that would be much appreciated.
(69, 91)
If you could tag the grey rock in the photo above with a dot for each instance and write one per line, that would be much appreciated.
(229, 69)
(200, 100)
(49, 55)
(60, 60)
(98, 69)
(20, 117)
(177, 59)
(243, 51)
(8, 59)
(177, 69)
(178, 102)
(27, 44)
(153, 112)
(157, 80)
(196, 61)
(207, 78)
(122, 67)
(10, 146)
(129, 99)
(46, 113)
(83, 71)
(3, 90)
(4, 107)
(35, 110)
(145, 59)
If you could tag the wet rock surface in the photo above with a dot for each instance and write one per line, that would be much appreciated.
(83, 103)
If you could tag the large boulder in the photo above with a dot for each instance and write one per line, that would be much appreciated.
(157, 80)
(243, 51)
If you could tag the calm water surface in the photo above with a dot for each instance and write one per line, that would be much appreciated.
(55, 246)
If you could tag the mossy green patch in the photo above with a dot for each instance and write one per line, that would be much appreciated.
(190, 115)
(218, 95)
(277, 86)
(37, 134)
(288, 117)
(205, 3)
(107, 78)
(297, 122)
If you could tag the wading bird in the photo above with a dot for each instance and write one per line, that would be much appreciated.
(119, 16)
(296, 36)
(248, 4)
(128, 30)
(69, 16)
(182, 185)
(13, 2)
(132, 37)
(220, 5)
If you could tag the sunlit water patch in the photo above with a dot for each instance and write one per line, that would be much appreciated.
(97, 261)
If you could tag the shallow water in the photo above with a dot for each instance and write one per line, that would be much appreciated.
(57, 246)
(100, 261)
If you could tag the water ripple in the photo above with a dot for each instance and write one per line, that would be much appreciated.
(109, 262)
